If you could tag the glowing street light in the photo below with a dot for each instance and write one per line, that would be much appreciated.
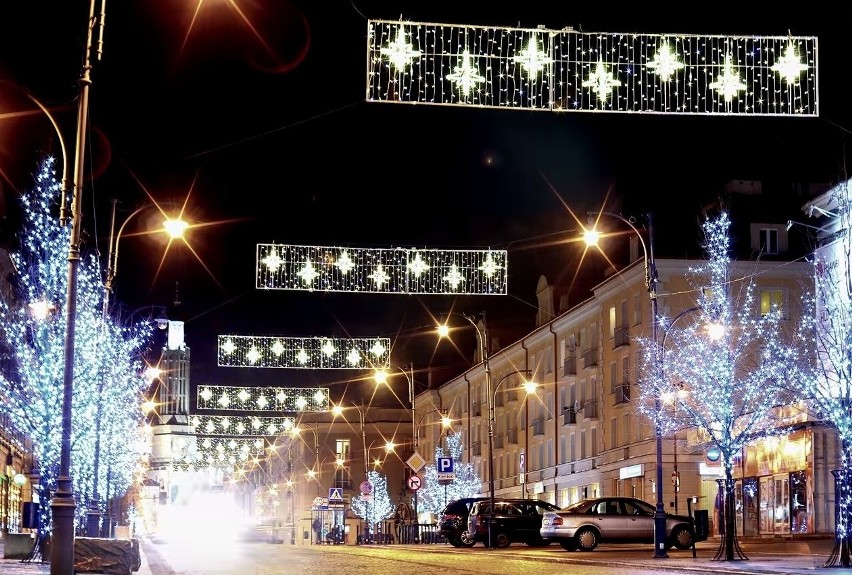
(591, 235)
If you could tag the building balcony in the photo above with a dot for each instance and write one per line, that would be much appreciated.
(569, 417)
(498, 441)
(476, 448)
(590, 357)
(512, 436)
(569, 366)
(621, 336)
(476, 409)
(622, 393)
(538, 426)
(590, 410)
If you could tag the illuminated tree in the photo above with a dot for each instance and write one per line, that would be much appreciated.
(728, 383)
(432, 496)
(827, 381)
(32, 339)
(379, 506)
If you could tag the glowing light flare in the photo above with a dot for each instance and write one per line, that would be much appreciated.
(728, 82)
(399, 52)
(790, 65)
(466, 76)
(601, 81)
(665, 62)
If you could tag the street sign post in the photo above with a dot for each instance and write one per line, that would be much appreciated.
(414, 482)
(446, 471)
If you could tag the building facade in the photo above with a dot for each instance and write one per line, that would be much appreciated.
(582, 435)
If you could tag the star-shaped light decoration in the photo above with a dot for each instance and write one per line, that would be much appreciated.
(790, 66)
(243, 395)
(328, 348)
(417, 266)
(380, 276)
(532, 59)
(489, 267)
(210, 427)
(229, 346)
(665, 62)
(601, 82)
(728, 83)
(466, 76)
(262, 402)
(319, 396)
(453, 277)
(277, 347)
(225, 422)
(255, 424)
(400, 53)
(273, 261)
(241, 428)
(302, 356)
(253, 354)
(353, 357)
(308, 273)
(224, 401)
(344, 263)
(206, 394)
(196, 421)
(378, 350)
(301, 402)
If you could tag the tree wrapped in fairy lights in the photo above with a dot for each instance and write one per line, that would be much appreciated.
(432, 496)
(826, 382)
(724, 372)
(32, 336)
(378, 506)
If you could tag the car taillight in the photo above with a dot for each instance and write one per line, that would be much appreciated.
(556, 520)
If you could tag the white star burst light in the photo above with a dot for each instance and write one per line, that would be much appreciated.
(665, 62)
(490, 267)
(328, 348)
(728, 83)
(354, 356)
(532, 59)
(417, 266)
(454, 278)
(601, 81)
(272, 261)
(378, 350)
(240, 425)
(379, 276)
(400, 53)
(790, 66)
(466, 76)
(344, 262)
(308, 273)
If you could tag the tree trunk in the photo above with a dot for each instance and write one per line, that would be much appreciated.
(841, 554)
(730, 549)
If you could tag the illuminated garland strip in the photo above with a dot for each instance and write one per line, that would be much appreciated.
(288, 399)
(240, 425)
(366, 270)
(302, 352)
(567, 70)
(217, 452)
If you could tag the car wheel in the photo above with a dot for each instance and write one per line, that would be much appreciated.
(681, 537)
(587, 539)
(568, 544)
(454, 541)
(501, 540)
(465, 540)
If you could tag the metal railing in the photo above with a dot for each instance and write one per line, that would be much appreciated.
(621, 336)
(622, 393)
(538, 426)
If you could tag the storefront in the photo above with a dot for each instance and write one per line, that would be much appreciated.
(774, 486)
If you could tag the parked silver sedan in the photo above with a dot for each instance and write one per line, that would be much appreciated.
(613, 520)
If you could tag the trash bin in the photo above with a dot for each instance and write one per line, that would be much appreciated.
(702, 524)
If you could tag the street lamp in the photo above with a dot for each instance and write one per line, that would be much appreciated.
(175, 230)
(591, 236)
(62, 503)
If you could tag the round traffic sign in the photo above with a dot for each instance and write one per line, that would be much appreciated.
(414, 482)
(366, 487)
(317, 501)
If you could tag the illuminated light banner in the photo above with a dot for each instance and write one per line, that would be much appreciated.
(303, 352)
(289, 399)
(218, 452)
(565, 70)
(243, 425)
(394, 270)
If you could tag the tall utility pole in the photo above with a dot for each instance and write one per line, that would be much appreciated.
(62, 504)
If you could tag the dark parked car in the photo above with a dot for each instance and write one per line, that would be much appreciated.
(514, 520)
(452, 523)
(614, 520)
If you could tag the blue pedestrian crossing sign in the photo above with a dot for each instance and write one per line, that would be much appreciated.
(445, 469)
(335, 494)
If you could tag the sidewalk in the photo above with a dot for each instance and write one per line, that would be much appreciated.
(16, 567)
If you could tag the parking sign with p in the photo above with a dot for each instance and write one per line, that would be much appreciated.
(445, 469)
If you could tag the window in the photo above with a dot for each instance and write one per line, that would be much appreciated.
(562, 449)
(613, 376)
(769, 241)
(573, 444)
(613, 432)
(612, 320)
(549, 461)
(550, 405)
(637, 308)
(548, 360)
(583, 444)
(594, 441)
(342, 449)
(626, 427)
(772, 299)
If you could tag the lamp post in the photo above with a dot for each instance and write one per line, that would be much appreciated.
(381, 377)
(62, 503)
(93, 514)
(591, 237)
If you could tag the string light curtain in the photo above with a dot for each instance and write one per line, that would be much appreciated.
(217, 452)
(381, 270)
(566, 70)
(263, 399)
(302, 352)
(241, 425)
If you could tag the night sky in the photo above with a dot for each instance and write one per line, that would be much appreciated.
(256, 112)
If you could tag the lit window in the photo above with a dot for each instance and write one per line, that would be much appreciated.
(772, 299)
